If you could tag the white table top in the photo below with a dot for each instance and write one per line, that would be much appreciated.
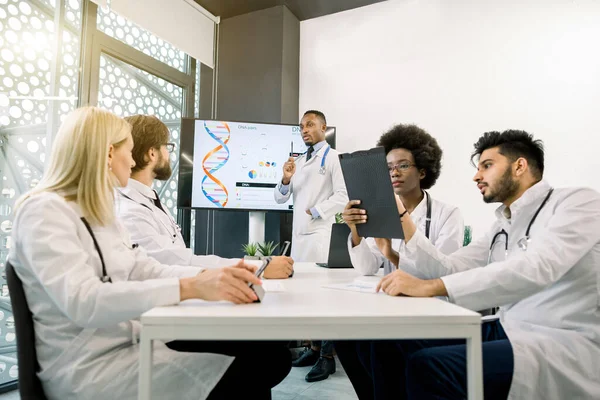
(306, 302)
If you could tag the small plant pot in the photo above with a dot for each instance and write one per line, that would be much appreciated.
(250, 258)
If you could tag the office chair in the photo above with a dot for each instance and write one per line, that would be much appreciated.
(30, 387)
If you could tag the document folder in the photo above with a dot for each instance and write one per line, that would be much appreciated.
(368, 180)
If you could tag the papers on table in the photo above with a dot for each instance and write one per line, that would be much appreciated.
(273, 286)
(363, 284)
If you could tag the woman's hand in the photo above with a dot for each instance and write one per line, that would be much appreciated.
(227, 283)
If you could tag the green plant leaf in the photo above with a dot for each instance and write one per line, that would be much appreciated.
(267, 249)
(250, 249)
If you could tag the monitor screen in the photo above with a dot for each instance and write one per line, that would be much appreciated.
(236, 165)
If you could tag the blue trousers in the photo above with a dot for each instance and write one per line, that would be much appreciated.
(426, 369)
(326, 347)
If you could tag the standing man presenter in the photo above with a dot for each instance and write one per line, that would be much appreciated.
(317, 185)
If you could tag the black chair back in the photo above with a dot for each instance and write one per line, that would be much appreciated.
(30, 387)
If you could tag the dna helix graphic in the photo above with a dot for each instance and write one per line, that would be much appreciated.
(214, 190)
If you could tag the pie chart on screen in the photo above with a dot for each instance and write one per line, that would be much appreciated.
(252, 174)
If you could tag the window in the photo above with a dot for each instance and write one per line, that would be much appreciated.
(40, 83)
(127, 90)
(140, 39)
(39, 74)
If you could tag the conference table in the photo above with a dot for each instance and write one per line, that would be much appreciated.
(302, 308)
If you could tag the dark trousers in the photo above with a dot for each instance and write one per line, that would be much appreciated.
(257, 367)
(426, 369)
(325, 345)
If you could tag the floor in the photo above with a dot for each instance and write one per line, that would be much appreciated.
(336, 387)
(14, 395)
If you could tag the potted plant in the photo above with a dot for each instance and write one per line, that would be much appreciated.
(267, 249)
(251, 250)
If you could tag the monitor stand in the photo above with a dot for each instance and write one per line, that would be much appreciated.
(256, 231)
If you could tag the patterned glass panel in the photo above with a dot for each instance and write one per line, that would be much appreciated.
(30, 97)
(197, 92)
(119, 28)
(126, 90)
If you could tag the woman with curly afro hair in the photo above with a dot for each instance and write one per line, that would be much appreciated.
(414, 161)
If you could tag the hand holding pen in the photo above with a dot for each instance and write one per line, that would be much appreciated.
(289, 168)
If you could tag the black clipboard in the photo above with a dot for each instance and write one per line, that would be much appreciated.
(368, 180)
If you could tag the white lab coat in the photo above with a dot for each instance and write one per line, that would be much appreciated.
(87, 331)
(446, 232)
(549, 295)
(156, 231)
(326, 193)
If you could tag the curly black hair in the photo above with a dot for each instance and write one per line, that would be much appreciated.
(424, 148)
(513, 144)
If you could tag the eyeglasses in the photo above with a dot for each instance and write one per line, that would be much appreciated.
(170, 147)
(400, 167)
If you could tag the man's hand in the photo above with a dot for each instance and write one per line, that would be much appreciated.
(309, 213)
(280, 267)
(289, 169)
(399, 283)
(353, 216)
(228, 283)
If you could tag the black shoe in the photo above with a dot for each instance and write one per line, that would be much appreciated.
(307, 358)
(321, 370)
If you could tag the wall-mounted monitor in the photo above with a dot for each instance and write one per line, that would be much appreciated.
(235, 165)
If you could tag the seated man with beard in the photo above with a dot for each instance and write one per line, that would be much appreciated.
(148, 221)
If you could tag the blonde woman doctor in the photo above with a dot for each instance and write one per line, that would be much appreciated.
(87, 285)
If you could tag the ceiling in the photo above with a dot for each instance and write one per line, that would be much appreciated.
(302, 9)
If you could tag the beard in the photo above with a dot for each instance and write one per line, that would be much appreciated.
(505, 188)
(163, 169)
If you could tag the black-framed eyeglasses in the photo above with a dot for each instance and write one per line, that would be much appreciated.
(170, 147)
(400, 167)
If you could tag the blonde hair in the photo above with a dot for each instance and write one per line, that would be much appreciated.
(78, 165)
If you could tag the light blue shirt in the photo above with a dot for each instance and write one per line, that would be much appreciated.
(284, 189)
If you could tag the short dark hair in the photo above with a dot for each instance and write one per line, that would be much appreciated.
(318, 114)
(513, 144)
(147, 132)
(424, 148)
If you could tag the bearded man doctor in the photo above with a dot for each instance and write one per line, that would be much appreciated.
(148, 221)
(317, 185)
(539, 262)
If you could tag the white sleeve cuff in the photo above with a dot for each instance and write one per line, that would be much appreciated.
(449, 284)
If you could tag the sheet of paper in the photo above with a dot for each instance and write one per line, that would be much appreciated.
(273, 286)
(358, 285)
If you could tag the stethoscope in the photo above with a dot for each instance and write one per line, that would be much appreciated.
(174, 228)
(524, 241)
(322, 169)
(428, 215)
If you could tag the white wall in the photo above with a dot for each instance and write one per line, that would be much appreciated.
(457, 69)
